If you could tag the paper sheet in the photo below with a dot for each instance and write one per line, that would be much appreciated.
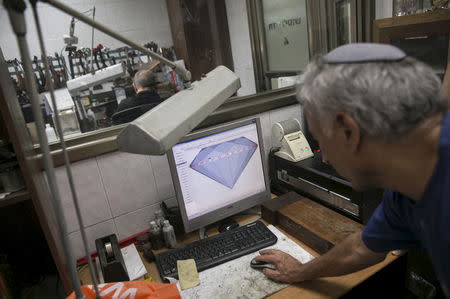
(133, 262)
(288, 81)
(236, 279)
(187, 274)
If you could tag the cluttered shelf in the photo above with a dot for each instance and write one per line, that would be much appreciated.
(13, 198)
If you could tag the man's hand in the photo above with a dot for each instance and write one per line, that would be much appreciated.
(288, 269)
(349, 256)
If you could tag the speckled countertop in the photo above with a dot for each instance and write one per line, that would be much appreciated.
(235, 279)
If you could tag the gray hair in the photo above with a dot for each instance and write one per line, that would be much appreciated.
(386, 99)
(144, 79)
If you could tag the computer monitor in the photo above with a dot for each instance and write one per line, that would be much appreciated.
(218, 172)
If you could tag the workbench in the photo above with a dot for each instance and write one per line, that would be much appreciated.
(331, 287)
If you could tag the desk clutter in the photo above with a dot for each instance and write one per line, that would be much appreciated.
(123, 264)
(315, 225)
(132, 268)
(232, 279)
(236, 279)
(218, 249)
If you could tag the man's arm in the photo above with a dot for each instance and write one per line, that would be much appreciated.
(446, 84)
(125, 104)
(349, 256)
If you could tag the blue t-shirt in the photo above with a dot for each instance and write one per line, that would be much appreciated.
(401, 223)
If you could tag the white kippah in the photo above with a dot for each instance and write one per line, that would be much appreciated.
(364, 52)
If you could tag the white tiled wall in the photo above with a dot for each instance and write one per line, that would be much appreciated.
(134, 222)
(164, 185)
(90, 193)
(119, 192)
(127, 176)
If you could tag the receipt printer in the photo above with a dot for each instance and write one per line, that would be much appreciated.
(111, 260)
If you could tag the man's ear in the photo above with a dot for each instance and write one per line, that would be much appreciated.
(350, 130)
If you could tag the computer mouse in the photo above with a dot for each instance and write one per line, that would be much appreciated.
(261, 265)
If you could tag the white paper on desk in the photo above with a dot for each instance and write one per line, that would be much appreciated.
(236, 279)
(133, 262)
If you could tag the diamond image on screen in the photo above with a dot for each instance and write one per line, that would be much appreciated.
(225, 162)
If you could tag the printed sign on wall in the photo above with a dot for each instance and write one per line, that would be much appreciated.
(286, 32)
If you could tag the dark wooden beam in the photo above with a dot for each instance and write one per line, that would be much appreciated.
(200, 34)
(31, 171)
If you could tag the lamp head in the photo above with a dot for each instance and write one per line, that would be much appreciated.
(156, 131)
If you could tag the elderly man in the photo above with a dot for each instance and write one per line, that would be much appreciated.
(143, 83)
(381, 121)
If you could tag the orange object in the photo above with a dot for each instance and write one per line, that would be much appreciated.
(131, 290)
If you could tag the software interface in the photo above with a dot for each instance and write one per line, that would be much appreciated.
(219, 169)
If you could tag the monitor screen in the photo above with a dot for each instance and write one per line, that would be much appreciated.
(219, 172)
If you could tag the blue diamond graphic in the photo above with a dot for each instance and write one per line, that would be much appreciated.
(225, 162)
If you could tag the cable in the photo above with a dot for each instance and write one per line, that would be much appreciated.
(64, 64)
(92, 43)
(63, 147)
(17, 20)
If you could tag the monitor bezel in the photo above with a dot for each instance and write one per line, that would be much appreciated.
(227, 211)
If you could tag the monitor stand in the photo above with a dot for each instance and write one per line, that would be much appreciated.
(201, 233)
(223, 226)
(227, 224)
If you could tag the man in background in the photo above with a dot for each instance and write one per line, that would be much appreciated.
(145, 98)
(381, 120)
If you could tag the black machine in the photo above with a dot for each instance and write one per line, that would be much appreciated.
(319, 181)
(217, 249)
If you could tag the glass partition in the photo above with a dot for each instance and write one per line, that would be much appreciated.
(281, 31)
